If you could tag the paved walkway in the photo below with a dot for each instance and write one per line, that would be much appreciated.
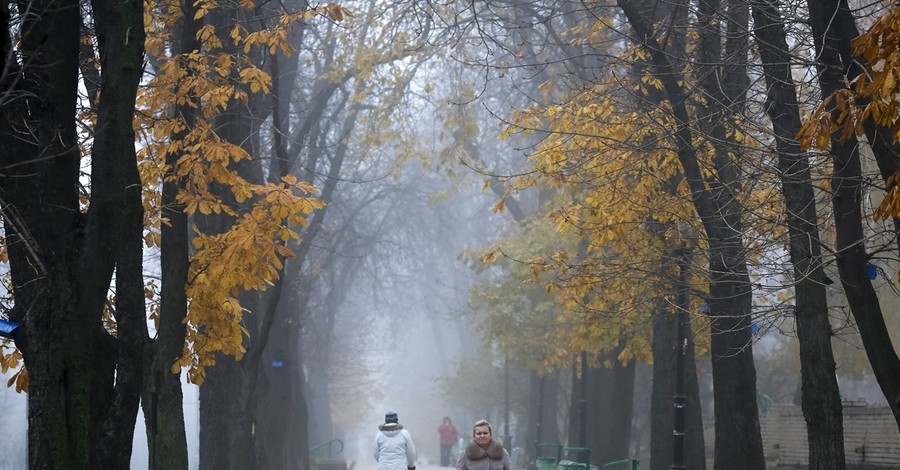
(421, 466)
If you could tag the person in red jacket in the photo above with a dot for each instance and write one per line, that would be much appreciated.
(449, 435)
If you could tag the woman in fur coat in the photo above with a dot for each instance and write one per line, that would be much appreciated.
(484, 452)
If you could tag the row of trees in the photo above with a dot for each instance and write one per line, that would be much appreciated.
(667, 147)
(273, 149)
(665, 178)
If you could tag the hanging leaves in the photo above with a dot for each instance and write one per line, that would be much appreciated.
(873, 96)
(249, 254)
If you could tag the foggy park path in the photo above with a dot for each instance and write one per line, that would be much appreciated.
(374, 466)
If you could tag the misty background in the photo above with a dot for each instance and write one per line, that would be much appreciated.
(394, 326)
(405, 328)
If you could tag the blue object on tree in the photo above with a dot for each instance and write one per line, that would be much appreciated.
(277, 364)
(873, 273)
(754, 327)
(8, 329)
(703, 308)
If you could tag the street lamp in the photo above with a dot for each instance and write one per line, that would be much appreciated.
(507, 439)
(679, 400)
(582, 404)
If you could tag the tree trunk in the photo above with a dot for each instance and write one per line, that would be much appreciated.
(228, 397)
(228, 402)
(600, 385)
(42, 245)
(218, 400)
(276, 407)
(832, 25)
(299, 446)
(734, 377)
(62, 262)
(610, 403)
(821, 400)
(120, 24)
(575, 412)
(738, 440)
(542, 420)
(621, 404)
(163, 397)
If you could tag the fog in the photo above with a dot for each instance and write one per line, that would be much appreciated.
(400, 318)
(420, 322)
(403, 322)
(423, 328)
(13, 422)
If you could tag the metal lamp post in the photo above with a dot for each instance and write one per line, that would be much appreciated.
(680, 400)
(582, 404)
(507, 439)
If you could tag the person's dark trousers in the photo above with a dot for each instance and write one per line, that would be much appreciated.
(445, 456)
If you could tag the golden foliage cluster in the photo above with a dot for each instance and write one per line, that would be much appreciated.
(624, 206)
(872, 97)
(249, 254)
(11, 359)
(246, 257)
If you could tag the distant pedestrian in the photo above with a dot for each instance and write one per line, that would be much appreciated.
(449, 436)
(394, 448)
(484, 452)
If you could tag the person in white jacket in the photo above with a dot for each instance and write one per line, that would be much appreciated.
(394, 448)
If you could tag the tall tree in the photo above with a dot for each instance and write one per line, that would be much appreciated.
(201, 137)
(163, 398)
(821, 401)
(738, 441)
(708, 174)
(526, 35)
(833, 26)
(61, 257)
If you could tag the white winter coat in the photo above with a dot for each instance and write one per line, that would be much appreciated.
(394, 448)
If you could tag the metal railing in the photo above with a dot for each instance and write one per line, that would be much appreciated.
(329, 446)
(624, 462)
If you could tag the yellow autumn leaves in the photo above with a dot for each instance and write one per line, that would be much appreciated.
(249, 254)
(627, 200)
(10, 359)
(622, 204)
(874, 96)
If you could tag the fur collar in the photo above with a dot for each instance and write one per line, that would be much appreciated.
(390, 427)
(475, 452)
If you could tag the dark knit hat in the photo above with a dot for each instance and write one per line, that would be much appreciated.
(390, 417)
